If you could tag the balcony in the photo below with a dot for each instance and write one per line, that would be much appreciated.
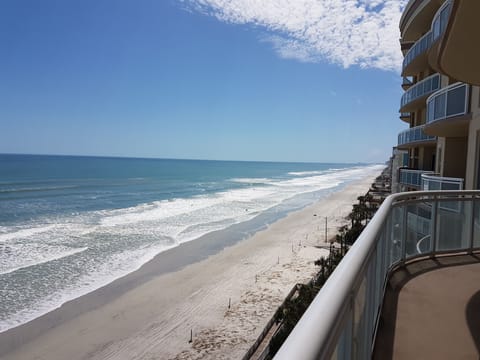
(411, 236)
(415, 96)
(414, 137)
(434, 182)
(447, 111)
(407, 82)
(405, 116)
(416, 58)
(412, 177)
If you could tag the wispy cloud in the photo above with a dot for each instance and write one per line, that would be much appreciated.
(344, 32)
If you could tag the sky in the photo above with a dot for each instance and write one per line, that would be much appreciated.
(283, 80)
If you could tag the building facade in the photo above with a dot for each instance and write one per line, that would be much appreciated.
(441, 102)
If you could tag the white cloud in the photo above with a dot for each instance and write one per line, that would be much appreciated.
(344, 32)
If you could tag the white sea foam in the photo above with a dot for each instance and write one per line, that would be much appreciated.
(23, 256)
(8, 234)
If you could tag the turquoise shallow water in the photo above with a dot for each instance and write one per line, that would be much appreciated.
(69, 225)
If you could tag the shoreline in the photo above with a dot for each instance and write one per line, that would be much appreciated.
(186, 288)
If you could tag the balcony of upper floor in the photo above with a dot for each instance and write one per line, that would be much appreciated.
(417, 18)
(448, 111)
(407, 82)
(436, 182)
(414, 137)
(458, 52)
(414, 98)
(405, 116)
(423, 52)
(412, 178)
(409, 288)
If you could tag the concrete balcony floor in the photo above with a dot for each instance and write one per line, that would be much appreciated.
(432, 310)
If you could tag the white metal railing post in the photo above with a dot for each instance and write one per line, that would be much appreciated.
(472, 223)
(433, 230)
(404, 234)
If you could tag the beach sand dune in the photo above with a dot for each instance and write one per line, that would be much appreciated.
(154, 316)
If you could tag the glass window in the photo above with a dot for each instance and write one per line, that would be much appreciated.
(456, 101)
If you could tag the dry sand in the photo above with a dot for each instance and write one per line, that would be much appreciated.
(150, 314)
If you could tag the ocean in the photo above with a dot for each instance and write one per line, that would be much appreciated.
(70, 224)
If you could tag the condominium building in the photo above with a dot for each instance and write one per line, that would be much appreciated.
(409, 288)
(441, 103)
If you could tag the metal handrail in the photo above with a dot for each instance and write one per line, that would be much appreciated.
(342, 320)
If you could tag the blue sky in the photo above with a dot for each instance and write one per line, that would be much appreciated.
(201, 79)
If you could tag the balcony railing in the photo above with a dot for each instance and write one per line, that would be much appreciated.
(440, 20)
(439, 24)
(448, 102)
(421, 89)
(342, 320)
(435, 182)
(411, 177)
(421, 46)
(413, 135)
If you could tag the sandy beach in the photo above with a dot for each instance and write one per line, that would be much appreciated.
(151, 313)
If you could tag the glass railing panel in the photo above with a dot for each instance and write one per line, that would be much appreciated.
(456, 104)
(453, 225)
(422, 45)
(476, 224)
(440, 20)
(360, 321)
(343, 351)
(418, 229)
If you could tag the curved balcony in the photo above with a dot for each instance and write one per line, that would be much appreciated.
(414, 136)
(434, 182)
(416, 58)
(405, 116)
(447, 111)
(414, 96)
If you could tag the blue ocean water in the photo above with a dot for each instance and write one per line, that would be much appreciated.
(69, 225)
